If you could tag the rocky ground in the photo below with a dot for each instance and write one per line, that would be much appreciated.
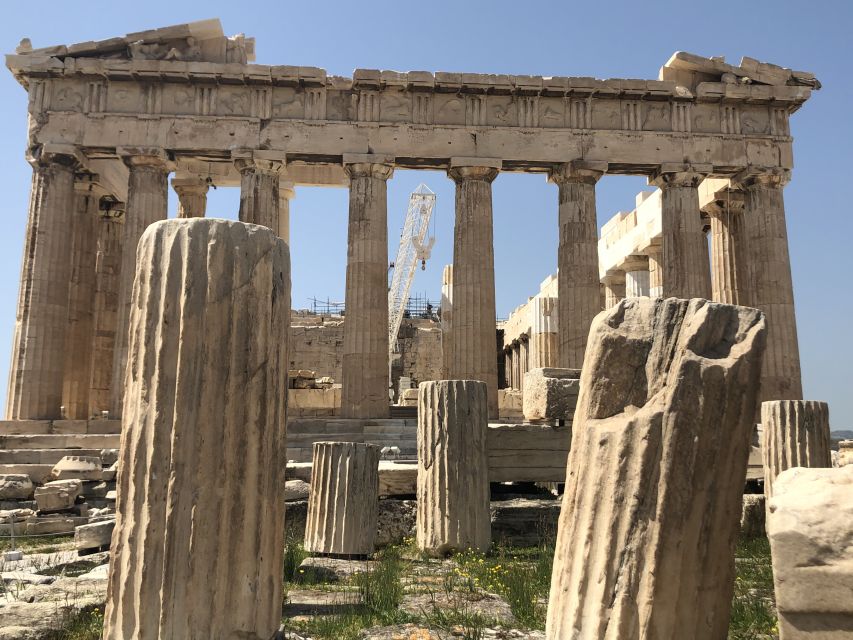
(55, 594)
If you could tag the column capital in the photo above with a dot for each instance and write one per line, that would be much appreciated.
(368, 165)
(579, 171)
(464, 168)
(258, 161)
(653, 250)
(89, 184)
(635, 262)
(679, 175)
(66, 155)
(613, 276)
(771, 177)
(153, 157)
(195, 185)
(727, 203)
(286, 191)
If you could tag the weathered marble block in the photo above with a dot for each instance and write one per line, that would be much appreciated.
(57, 495)
(199, 536)
(654, 483)
(453, 474)
(810, 526)
(15, 486)
(796, 434)
(94, 535)
(79, 467)
(550, 394)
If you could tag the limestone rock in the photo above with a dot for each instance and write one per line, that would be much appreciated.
(550, 394)
(845, 453)
(796, 434)
(296, 490)
(15, 486)
(57, 495)
(80, 467)
(524, 522)
(198, 544)
(752, 516)
(453, 478)
(396, 521)
(655, 476)
(344, 499)
(94, 535)
(810, 526)
(330, 570)
(53, 524)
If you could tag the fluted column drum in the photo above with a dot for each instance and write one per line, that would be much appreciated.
(343, 506)
(199, 536)
(795, 434)
(453, 473)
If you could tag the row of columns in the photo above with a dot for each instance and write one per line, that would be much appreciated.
(517, 359)
(70, 347)
(56, 294)
(749, 262)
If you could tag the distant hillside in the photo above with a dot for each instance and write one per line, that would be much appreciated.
(846, 434)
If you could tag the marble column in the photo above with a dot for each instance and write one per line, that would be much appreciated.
(286, 193)
(192, 196)
(524, 365)
(108, 261)
(508, 366)
(637, 278)
(38, 349)
(770, 284)
(81, 299)
(259, 189)
(474, 316)
(686, 266)
(365, 356)
(728, 249)
(447, 321)
(655, 255)
(147, 202)
(614, 288)
(577, 257)
(544, 332)
(516, 365)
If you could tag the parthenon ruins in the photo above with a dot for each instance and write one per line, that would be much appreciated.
(110, 121)
(167, 404)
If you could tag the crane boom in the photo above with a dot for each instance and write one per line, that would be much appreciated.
(412, 248)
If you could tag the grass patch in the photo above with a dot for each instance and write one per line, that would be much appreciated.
(86, 624)
(36, 544)
(753, 604)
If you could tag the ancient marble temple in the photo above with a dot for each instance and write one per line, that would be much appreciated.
(111, 122)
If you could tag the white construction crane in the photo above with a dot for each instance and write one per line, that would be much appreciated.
(412, 248)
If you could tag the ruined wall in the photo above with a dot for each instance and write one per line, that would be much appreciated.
(316, 344)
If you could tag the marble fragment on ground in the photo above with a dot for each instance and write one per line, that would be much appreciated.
(810, 526)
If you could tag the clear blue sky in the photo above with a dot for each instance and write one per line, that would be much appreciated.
(602, 39)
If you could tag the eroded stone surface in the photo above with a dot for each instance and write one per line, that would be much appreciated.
(550, 394)
(453, 483)
(203, 449)
(80, 467)
(57, 495)
(810, 526)
(15, 486)
(655, 476)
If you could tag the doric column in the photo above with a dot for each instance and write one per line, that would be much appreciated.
(545, 332)
(447, 321)
(655, 255)
(81, 299)
(192, 196)
(365, 356)
(147, 202)
(286, 193)
(38, 350)
(508, 366)
(770, 285)
(474, 316)
(524, 366)
(110, 236)
(687, 271)
(259, 184)
(199, 537)
(516, 365)
(577, 257)
(728, 249)
(614, 288)
(637, 279)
